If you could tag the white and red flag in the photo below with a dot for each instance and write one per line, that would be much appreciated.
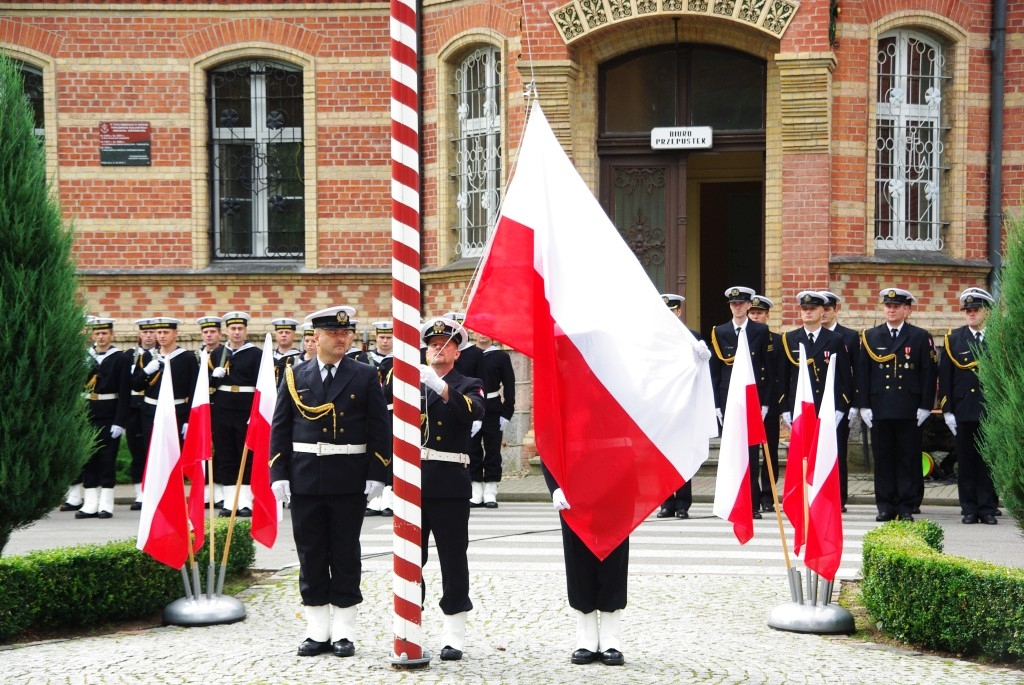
(196, 452)
(163, 522)
(802, 437)
(825, 523)
(265, 508)
(742, 427)
(621, 420)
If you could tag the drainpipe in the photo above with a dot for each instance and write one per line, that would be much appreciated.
(995, 146)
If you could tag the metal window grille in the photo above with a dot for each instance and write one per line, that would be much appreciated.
(256, 161)
(478, 148)
(909, 143)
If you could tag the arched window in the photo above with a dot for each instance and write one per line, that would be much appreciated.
(257, 162)
(477, 144)
(33, 79)
(909, 142)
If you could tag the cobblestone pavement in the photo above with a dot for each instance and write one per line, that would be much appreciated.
(677, 629)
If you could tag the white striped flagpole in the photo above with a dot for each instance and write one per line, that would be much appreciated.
(405, 298)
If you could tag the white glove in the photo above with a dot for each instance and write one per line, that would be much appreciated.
(950, 422)
(764, 412)
(502, 422)
(220, 372)
(787, 418)
(282, 490)
(184, 429)
(558, 500)
(118, 431)
(867, 417)
(922, 416)
(839, 416)
(152, 367)
(701, 353)
(429, 378)
(373, 489)
(854, 414)
(477, 425)
(718, 413)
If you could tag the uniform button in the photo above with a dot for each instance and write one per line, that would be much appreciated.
(341, 413)
(324, 430)
(351, 397)
(341, 430)
(440, 423)
(972, 389)
(887, 387)
(438, 438)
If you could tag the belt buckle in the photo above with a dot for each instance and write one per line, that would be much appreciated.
(93, 396)
(320, 449)
(234, 388)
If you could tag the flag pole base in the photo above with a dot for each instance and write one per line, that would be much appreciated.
(828, 619)
(204, 611)
(403, 661)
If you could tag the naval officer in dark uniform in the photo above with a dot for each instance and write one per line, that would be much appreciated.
(449, 405)
(760, 308)
(896, 392)
(724, 339)
(963, 406)
(166, 357)
(851, 340)
(330, 447)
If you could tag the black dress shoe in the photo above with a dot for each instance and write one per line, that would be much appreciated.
(917, 510)
(386, 511)
(224, 513)
(584, 656)
(969, 519)
(70, 507)
(904, 517)
(370, 512)
(450, 654)
(105, 515)
(311, 647)
(884, 516)
(219, 504)
(244, 512)
(612, 657)
(343, 647)
(136, 506)
(757, 514)
(989, 519)
(680, 514)
(665, 513)
(999, 512)
(83, 515)
(768, 508)
(490, 505)
(843, 508)
(475, 505)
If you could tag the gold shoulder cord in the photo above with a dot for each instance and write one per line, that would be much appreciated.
(959, 365)
(796, 362)
(718, 352)
(91, 384)
(871, 353)
(310, 413)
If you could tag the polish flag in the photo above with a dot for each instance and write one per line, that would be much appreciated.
(825, 523)
(197, 451)
(623, 410)
(742, 427)
(803, 435)
(265, 508)
(163, 522)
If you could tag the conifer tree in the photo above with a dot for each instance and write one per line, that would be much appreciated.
(45, 435)
(1001, 372)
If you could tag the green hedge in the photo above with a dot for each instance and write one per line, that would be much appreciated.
(95, 584)
(924, 597)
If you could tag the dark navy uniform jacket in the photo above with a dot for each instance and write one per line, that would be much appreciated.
(498, 374)
(896, 378)
(184, 373)
(723, 348)
(243, 368)
(827, 345)
(352, 412)
(445, 426)
(959, 387)
(109, 377)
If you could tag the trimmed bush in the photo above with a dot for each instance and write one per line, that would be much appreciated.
(95, 584)
(926, 598)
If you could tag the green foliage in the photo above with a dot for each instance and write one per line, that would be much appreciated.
(943, 602)
(94, 584)
(45, 435)
(1002, 380)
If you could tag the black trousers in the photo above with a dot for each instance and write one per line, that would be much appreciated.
(974, 482)
(681, 499)
(771, 431)
(592, 584)
(135, 436)
(326, 530)
(485, 451)
(899, 481)
(229, 429)
(100, 471)
(843, 438)
(448, 520)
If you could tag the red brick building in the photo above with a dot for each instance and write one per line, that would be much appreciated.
(850, 144)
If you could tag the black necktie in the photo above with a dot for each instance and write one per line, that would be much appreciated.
(895, 332)
(977, 337)
(738, 330)
(810, 338)
(328, 375)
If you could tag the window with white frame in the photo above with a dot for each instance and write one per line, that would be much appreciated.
(909, 142)
(477, 147)
(256, 161)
